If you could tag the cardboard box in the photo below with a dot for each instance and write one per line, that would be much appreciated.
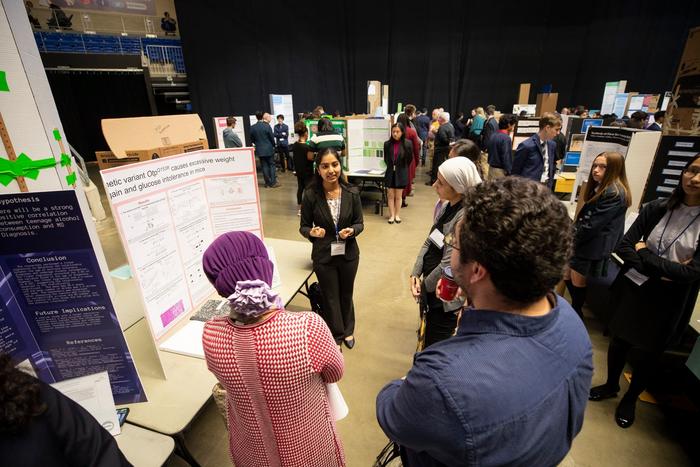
(683, 112)
(107, 159)
(124, 134)
(546, 103)
(524, 94)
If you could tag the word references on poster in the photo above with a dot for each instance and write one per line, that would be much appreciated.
(55, 311)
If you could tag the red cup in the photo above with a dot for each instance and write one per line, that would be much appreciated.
(447, 286)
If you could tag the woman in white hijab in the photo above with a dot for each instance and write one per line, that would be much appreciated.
(438, 318)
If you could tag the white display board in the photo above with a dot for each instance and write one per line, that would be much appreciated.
(609, 97)
(365, 143)
(220, 124)
(637, 146)
(168, 211)
(281, 104)
(529, 108)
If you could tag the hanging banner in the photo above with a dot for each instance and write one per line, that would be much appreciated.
(55, 312)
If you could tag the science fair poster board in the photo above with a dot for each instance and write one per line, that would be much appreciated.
(609, 97)
(524, 129)
(636, 146)
(168, 211)
(55, 311)
(220, 124)
(281, 104)
(365, 144)
(340, 127)
(673, 155)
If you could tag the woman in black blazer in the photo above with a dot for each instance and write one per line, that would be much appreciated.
(599, 225)
(331, 218)
(655, 292)
(398, 153)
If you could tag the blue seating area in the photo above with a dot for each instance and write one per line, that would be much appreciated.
(103, 44)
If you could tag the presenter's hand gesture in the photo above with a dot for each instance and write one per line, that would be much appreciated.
(346, 232)
(318, 232)
(415, 287)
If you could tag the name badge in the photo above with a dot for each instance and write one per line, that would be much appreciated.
(338, 249)
(636, 276)
(438, 238)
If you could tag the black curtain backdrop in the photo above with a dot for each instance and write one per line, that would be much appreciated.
(84, 98)
(453, 54)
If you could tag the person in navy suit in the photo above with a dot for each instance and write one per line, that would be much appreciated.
(535, 158)
(658, 121)
(264, 142)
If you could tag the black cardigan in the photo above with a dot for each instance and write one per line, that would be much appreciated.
(315, 212)
(680, 307)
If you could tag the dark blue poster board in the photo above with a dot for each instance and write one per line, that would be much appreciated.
(55, 311)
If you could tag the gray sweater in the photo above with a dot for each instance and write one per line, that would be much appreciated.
(430, 281)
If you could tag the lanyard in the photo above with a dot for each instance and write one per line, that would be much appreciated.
(336, 223)
(661, 252)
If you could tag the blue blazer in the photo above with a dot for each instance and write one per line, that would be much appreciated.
(528, 161)
(261, 137)
(282, 134)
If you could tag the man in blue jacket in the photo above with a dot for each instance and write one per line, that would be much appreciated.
(500, 148)
(282, 139)
(264, 142)
(510, 388)
(422, 128)
(535, 158)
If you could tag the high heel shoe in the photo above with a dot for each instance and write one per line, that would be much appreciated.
(602, 392)
(349, 343)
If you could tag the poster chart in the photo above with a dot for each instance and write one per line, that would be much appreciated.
(597, 140)
(366, 138)
(524, 129)
(340, 127)
(673, 154)
(608, 97)
(168, 211)
(620, 104)
(281, 104)
(55, 312)
(220, 124)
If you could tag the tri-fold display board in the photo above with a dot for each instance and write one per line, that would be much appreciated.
(168, 211)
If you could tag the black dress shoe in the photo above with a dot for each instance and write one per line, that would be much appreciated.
(624, 413)
(602, 392)
(349, 343)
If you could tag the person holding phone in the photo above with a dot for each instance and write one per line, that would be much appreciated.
(331, 218)
(439, 319)
(654, 295)
(273, 364)
(599, 224)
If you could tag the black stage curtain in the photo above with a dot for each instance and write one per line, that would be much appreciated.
(84, 98)
(453, 54)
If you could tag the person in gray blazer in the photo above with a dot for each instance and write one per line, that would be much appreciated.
(439, 319)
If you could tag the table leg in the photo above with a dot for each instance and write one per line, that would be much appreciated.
(182, 451)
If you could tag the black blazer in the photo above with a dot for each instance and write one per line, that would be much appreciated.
(315, 212)
(600, 225)
(404, 161)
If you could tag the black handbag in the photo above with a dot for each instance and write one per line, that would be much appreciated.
(316, 298)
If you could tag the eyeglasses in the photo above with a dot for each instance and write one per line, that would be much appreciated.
(451, 241)
(692, 171)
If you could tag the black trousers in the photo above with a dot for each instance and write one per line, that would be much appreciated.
(337, 280)
(286, 161)
(439, 325)
(439, 156)
(644, 362)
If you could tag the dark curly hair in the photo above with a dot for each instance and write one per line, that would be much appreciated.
(20, 398)
(518, 230)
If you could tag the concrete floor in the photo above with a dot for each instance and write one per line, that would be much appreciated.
(387, 318)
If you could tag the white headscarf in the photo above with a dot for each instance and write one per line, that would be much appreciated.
(460, 173)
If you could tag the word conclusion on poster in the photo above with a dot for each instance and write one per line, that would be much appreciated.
(55, 312)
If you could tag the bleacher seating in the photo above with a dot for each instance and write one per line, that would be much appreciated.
(105, 44)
